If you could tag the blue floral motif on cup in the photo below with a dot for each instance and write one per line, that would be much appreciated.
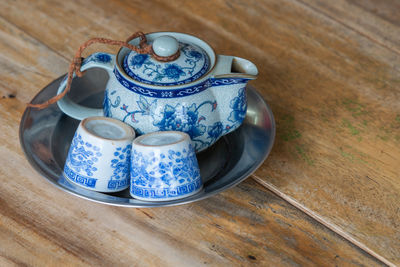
(164, 175)
(79, 166)
(120, 165)
(82, 156)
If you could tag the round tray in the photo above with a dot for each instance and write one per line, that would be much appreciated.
(45, 137)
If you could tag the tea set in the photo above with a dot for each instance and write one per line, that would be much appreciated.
(176, 108)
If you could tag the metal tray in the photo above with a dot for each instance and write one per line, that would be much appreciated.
(45, 136)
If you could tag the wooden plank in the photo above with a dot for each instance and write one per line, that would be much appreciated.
(41, 225)
(25, 57)
(245, 225)
(377, 20)
(334, 94)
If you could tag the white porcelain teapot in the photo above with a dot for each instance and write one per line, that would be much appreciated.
(198, 93)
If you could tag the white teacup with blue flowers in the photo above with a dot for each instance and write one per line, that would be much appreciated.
(99, 155)
(164, 167)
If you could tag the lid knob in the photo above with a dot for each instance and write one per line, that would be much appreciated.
(165, 46)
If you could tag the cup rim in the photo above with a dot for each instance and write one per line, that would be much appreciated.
(137, 141)
(130, 133)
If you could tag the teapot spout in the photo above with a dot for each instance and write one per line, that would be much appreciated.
(234, 67)
(229, 80)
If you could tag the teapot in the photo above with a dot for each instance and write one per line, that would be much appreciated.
(198, 92)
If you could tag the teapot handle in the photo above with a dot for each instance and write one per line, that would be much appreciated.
(97, 60)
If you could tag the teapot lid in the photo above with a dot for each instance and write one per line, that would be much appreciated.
(192, 63)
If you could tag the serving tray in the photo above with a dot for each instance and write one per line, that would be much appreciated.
(45, 137)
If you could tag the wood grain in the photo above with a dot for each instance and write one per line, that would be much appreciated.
(41, 225)
(377, 20)
(242, 226)
(334, 90)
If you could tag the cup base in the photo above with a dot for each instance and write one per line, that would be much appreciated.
(93, 188)
(167, 198)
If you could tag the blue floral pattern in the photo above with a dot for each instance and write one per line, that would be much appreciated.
(120, 165)
(108, 104)
(82, 156)
(164, 175)
(196, 119)
(140, 59)
(239, 107)
(194, 54)
(189, 67)
(103, 58)
(215, 131)
(173, 118)
(97, 57)
(181, 118)
(81, 159)
(172, 71)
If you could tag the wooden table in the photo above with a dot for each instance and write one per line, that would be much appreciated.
(329, 194)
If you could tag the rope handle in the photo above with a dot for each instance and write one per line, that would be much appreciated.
(76, 63)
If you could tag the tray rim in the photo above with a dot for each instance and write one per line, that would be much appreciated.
(150, 204)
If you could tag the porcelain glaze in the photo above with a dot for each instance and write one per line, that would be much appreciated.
(199, 93)
(164, 167)
(165, 46)
(191, 65)
(98, 163)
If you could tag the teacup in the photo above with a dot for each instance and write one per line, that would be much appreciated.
(164, 167)
(99, 155)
